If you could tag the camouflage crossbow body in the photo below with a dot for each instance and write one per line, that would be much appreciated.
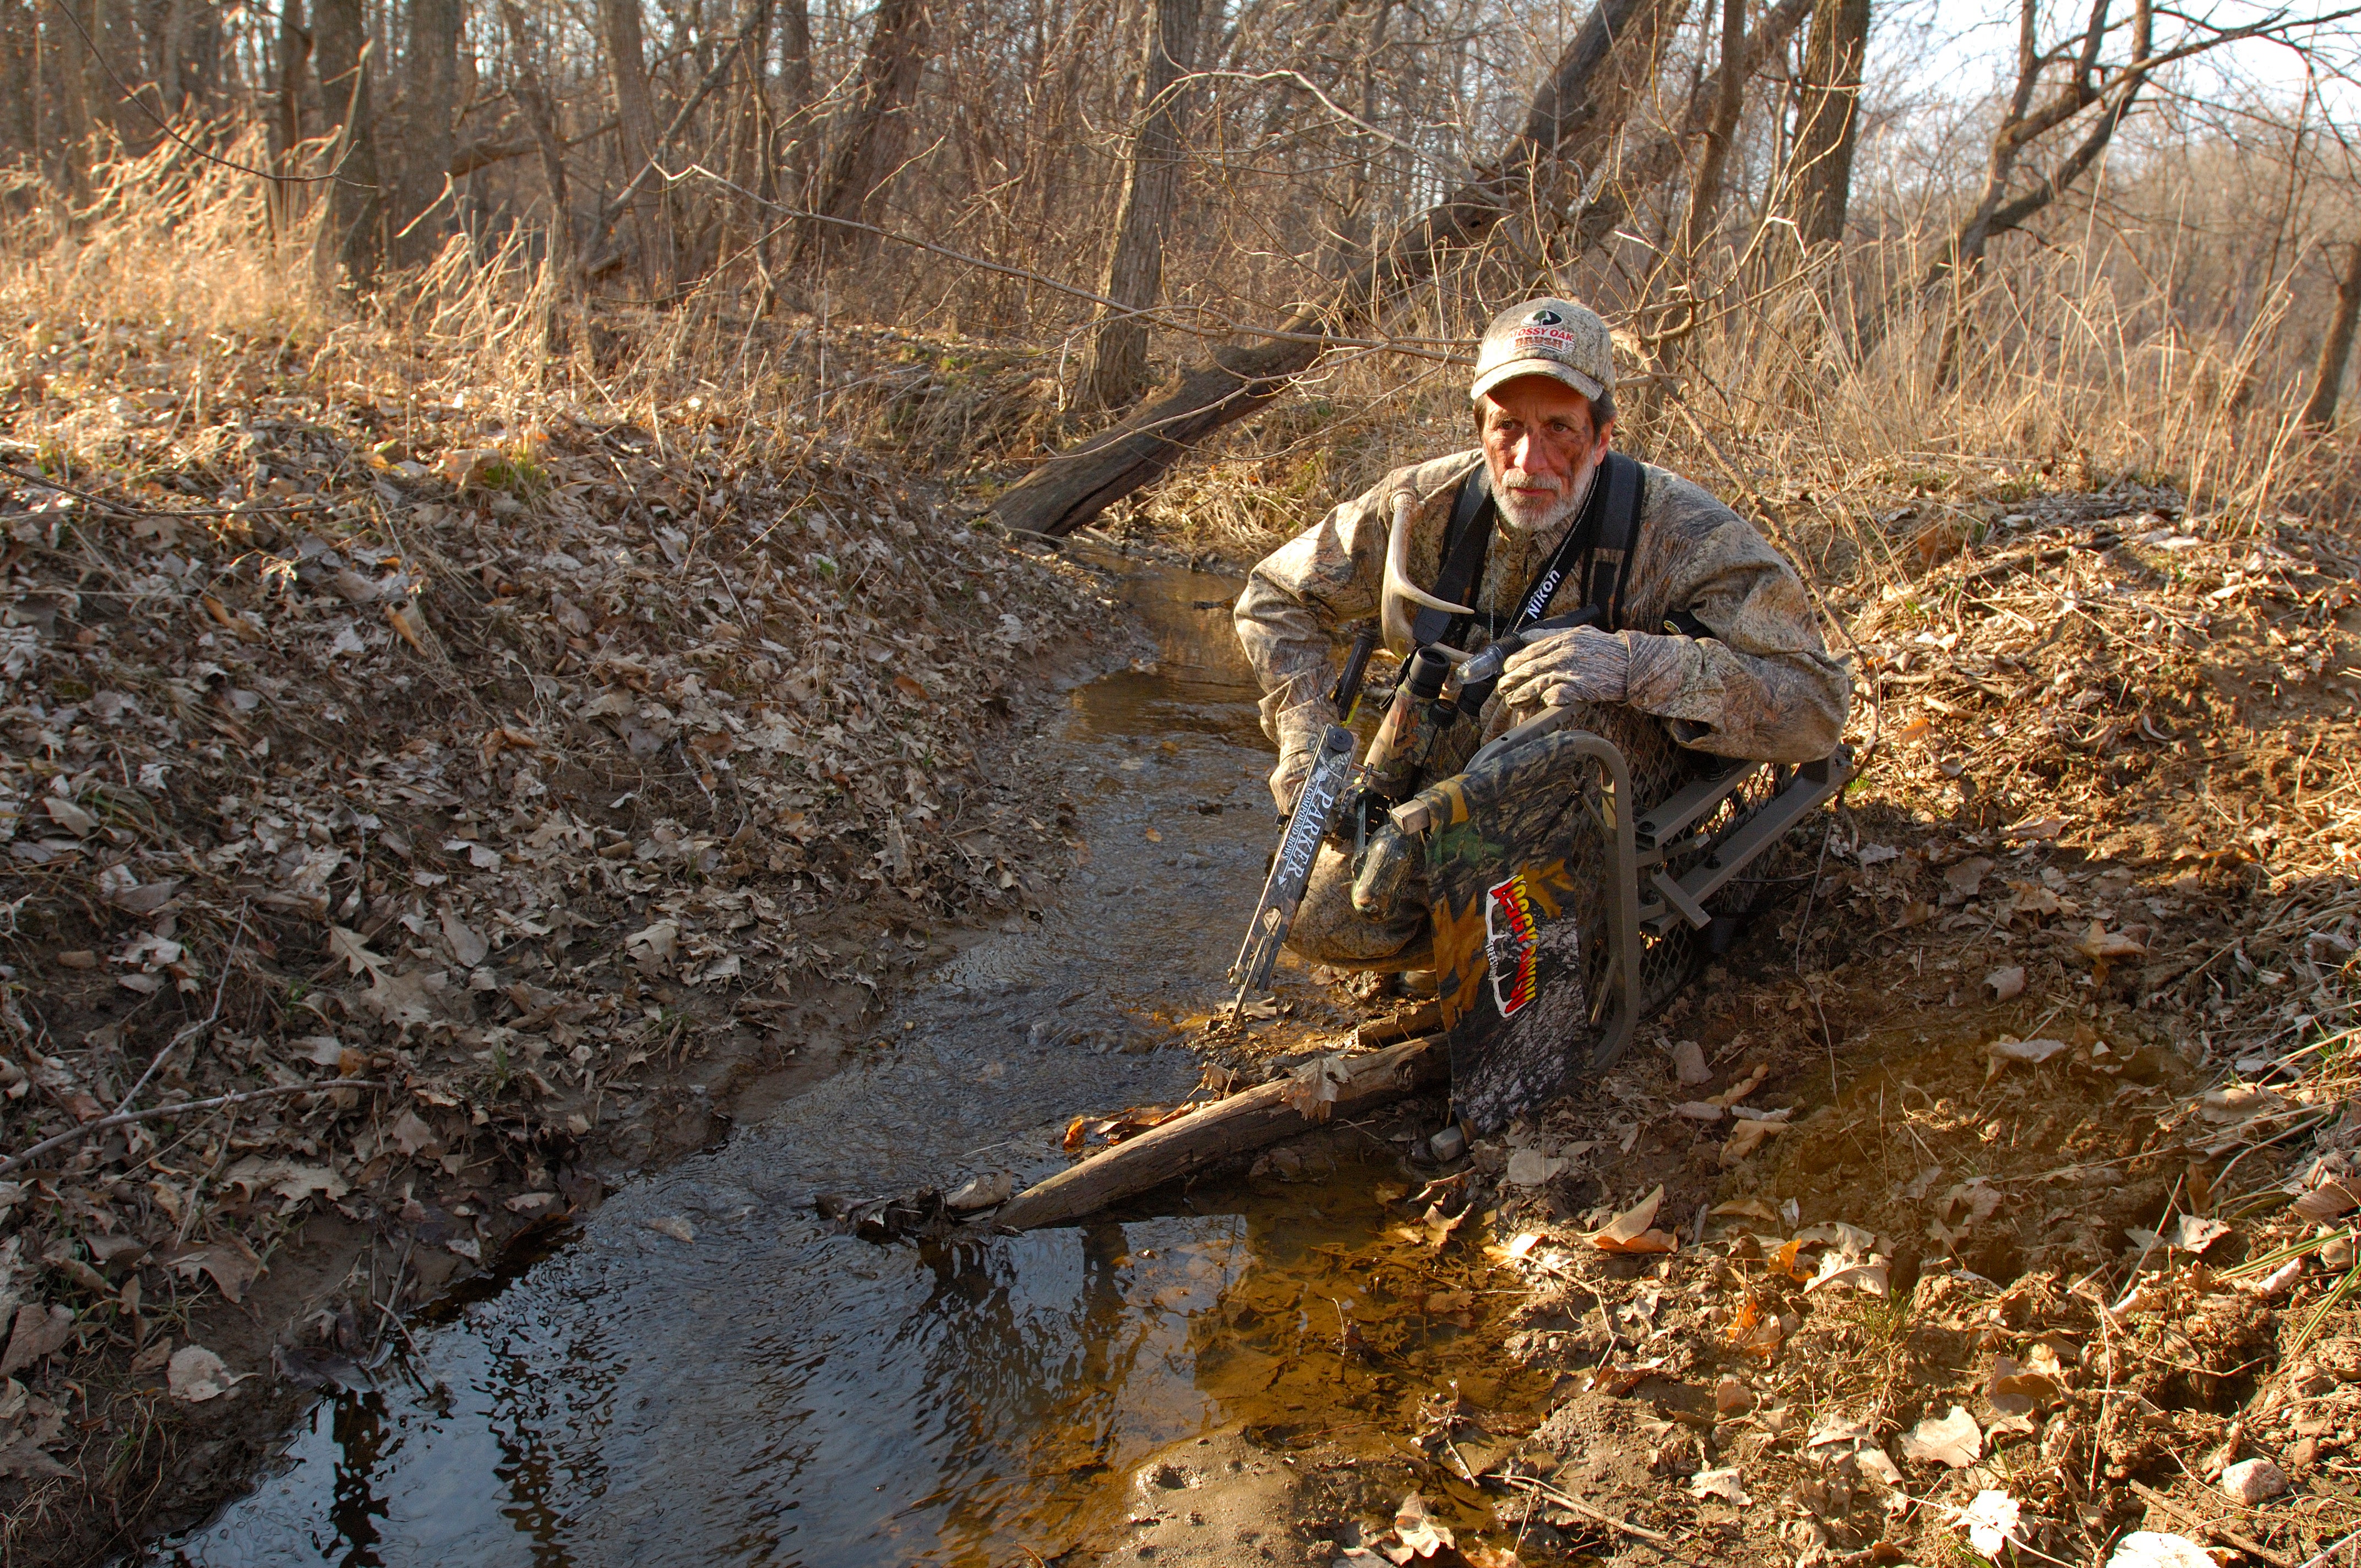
(1516, 874)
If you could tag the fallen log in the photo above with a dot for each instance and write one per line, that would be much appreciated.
(1187, 1144)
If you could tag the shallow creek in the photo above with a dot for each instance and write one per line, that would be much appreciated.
(774, 1392)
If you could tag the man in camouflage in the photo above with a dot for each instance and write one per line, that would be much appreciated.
(1760, 686)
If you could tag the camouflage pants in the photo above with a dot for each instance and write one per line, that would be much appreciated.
(1329, 930)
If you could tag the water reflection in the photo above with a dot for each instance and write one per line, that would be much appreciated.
(777, 1394)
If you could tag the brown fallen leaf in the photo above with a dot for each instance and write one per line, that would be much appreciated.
(234, 625)
(1953, 1441)
(2103, 948)
(412, 1133)
(1966, 877)
(39, 1332)
(1129, 1123)
(1439, 1225)
(232, 1265)
(1628, 1232)
(404, 620)
(195, 1375)
(1748, 1137)
(2329, 1199)
(1743, 1087)
(1418, 1532)
(1755, 1329)
(1747, 1209)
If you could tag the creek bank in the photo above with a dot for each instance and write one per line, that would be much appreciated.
(586, 786)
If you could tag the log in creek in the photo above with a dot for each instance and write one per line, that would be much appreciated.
(1332, 1086)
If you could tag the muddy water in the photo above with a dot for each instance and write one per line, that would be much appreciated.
(772, 1392)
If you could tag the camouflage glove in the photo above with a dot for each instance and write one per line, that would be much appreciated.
(1287, 779)
(1585, 664)
(1299, 729)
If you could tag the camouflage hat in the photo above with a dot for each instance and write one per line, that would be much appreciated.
(1557, 338)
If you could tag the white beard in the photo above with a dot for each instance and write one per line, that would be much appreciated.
(1552, 516)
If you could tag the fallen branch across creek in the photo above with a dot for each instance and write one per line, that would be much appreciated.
(1189, 1143)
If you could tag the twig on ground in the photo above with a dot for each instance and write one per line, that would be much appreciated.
(2229, 1537)
(122, 1118)
(1578, 1505)
(192, 1031)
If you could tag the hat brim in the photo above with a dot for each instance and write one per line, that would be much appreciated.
(1565, 374)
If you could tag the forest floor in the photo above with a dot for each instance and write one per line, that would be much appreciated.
(419, 819)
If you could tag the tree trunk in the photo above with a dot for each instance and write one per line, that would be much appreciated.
(1705, 191)
(20, 81)
(1642, 171)
(352, 244)
(1577, 108)
(1118, 371)
(287, 117)
(791, 143)
(431, 118)
(2328, 381)
(1827, 121)
(627, 66)
(533, 101)
(877, 138)
(1222, 1131)
(68, 59)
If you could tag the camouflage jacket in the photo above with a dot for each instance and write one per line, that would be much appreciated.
(1763, 688)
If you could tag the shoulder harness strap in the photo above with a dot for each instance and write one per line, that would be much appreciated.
(1465, 546)
(1618, 536)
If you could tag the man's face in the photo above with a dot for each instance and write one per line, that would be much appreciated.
(1540, 445)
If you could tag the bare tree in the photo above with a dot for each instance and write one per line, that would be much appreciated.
(1118, 371)
(431, 118)
(2006, 203)
(1729, 102)
(286, 108)
(540, 118)
(353, 242)
(2336, 345)
(635, 114)
(1577, 107)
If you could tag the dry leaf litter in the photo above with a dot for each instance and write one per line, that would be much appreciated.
(393, 794)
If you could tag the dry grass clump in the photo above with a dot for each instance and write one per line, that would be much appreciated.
(169, 239)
